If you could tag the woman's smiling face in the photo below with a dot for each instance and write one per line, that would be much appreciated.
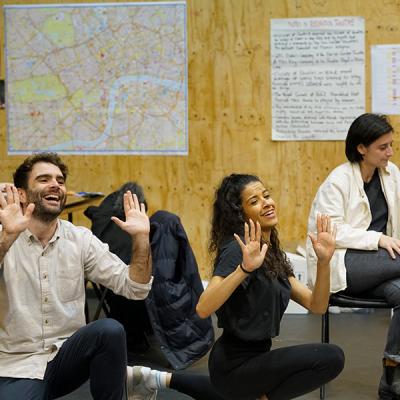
(258, 206)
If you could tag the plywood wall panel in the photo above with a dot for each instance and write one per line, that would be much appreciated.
(230, 118)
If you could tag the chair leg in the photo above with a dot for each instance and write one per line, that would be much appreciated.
(322, 392)
(102, 292)
(87, 316)
(326, 333)
(324, 339)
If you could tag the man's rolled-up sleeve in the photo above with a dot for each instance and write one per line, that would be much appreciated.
(107, 269)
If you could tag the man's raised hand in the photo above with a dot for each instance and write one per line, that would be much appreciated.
(136, 219)
(13, 218)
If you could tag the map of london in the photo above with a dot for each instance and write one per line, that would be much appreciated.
(97, 78)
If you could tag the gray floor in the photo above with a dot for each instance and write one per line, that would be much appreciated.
(361, 336)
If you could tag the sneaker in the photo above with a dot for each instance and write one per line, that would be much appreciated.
(136, 387)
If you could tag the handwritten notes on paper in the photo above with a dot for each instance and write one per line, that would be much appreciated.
(385, 62)
(317, 74)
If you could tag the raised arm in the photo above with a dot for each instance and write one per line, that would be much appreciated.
(323, 243)
(220, 288)
(137, 224)
(12, 218)
(331, 200)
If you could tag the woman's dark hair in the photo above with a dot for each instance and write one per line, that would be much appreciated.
(228, 218)
(118, 208)
(365, 130)
(21, 175)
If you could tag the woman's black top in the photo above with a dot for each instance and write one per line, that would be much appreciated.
(377, 204)
(254, 310)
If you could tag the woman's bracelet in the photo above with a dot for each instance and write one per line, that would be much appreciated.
(244, 270)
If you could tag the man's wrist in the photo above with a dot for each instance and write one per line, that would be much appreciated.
(6, 241)
(141, 236)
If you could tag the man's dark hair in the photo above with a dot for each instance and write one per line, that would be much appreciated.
(21, 175)
(365, 130)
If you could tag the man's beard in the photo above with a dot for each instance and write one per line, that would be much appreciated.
(41, 211)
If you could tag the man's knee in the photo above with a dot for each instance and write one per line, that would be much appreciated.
(110, 328)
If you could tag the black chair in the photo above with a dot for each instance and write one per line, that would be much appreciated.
(100, 292)
(345, 301)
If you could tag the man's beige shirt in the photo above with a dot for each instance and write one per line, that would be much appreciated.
(42, 294)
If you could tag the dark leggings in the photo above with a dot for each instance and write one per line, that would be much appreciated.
(197, 386)
(96, 351)
(376, 274)
(245, 371)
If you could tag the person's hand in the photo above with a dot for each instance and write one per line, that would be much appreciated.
(253, 253)
(324, 242)
(391, 244)
(3, 186)
(12, 218)
(136, 219)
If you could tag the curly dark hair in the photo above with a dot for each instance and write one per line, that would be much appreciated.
(21, 175)
(228, 218)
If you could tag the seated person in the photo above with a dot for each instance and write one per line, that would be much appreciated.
(46, 350)
(362, 198)
(250, 289)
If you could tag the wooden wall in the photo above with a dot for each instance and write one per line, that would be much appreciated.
(230, 118)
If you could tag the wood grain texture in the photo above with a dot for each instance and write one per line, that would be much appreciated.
(230, 118)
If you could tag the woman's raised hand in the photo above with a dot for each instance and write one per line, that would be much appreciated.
(253, 253)
(324, 243)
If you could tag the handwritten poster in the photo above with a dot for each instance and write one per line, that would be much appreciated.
(317, 77)
(385, 61)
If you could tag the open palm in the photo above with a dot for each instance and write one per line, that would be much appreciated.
(324, 243)
(136, 219)
(12, 217)
(253, 253)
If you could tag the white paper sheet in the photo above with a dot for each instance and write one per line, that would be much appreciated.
(317, 77)
(385, 65)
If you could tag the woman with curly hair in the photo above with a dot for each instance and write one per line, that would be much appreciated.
(250, 289)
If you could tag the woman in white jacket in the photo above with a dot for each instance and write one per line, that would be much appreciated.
(362, 198)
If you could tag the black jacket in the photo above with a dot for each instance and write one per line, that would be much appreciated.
(171, 304)
(177, 286)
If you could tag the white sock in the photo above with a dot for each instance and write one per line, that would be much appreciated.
(154, 379)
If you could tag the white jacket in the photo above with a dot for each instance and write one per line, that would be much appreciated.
(343, 198)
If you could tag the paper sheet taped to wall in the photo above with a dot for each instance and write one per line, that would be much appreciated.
(385, 62)
(317, 77)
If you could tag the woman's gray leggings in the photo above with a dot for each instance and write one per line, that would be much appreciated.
(376, 274)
